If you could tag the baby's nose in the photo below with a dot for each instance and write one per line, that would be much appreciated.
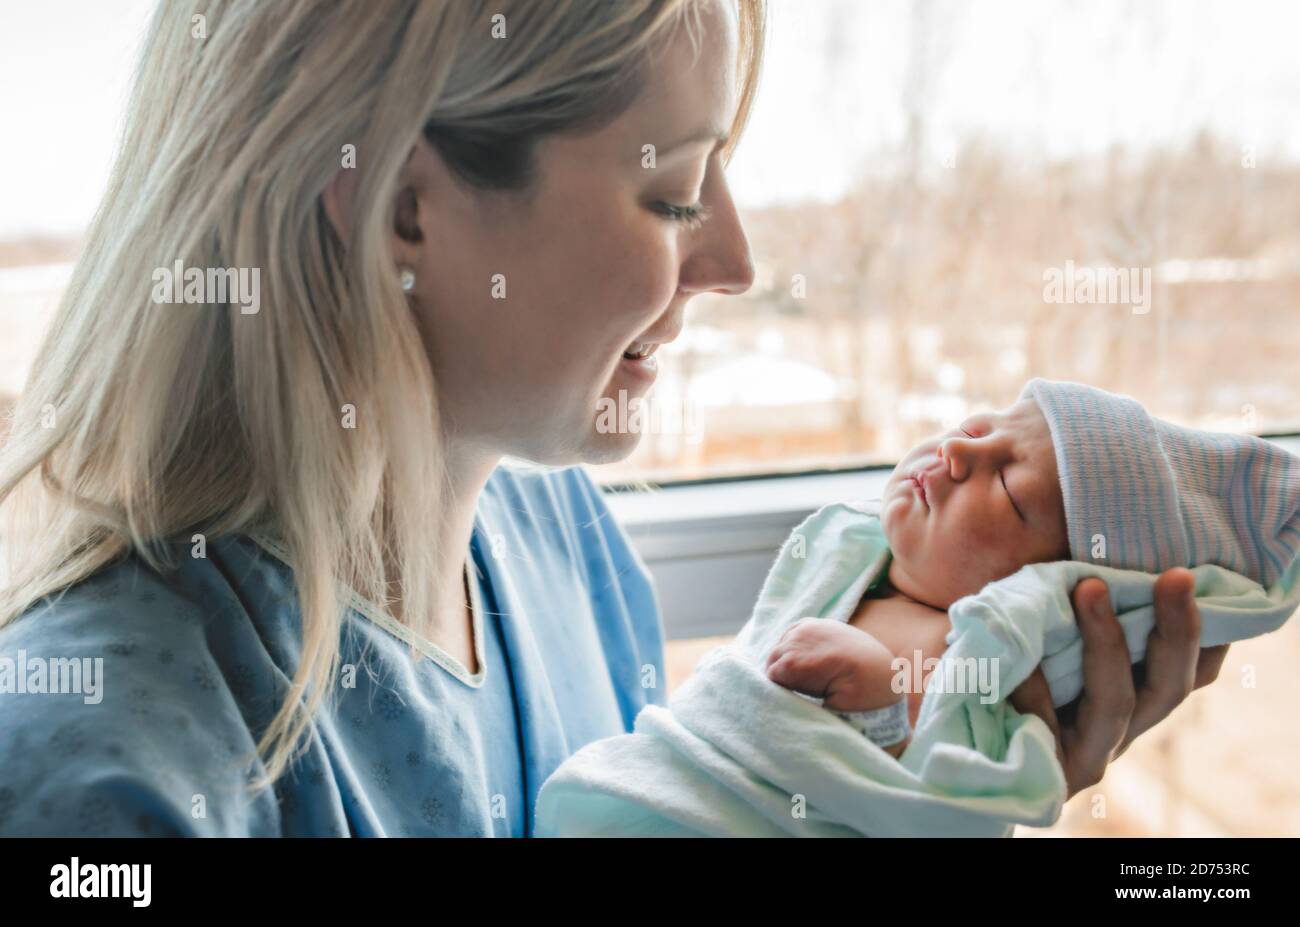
(953, 456)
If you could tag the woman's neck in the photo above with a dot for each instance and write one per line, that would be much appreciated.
(467, 473)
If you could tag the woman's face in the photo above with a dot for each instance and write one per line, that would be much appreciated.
(528, 301)
(974, 505)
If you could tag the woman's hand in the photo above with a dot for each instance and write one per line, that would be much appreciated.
(1112, 711)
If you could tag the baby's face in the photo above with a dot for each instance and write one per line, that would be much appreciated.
(974, 505)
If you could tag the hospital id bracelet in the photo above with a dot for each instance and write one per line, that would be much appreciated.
(884, 727)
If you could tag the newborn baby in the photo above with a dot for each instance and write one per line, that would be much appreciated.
(1067, 472)
(755, 742)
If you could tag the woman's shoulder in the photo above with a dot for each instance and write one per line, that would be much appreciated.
(120, 708)
(556, 535)
(113, 609)
(558, 488)
(102, 611)
(556, 508)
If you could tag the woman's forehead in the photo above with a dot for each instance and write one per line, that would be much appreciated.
(691, 84)
(688, 90)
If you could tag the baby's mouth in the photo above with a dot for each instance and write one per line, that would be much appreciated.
(919, 479)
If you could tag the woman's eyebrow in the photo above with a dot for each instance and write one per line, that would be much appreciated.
(698, 137)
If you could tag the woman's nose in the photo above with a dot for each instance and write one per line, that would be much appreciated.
(730, 275)
(721, 261)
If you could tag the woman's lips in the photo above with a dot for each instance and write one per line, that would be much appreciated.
(644, 369)
(639, 350)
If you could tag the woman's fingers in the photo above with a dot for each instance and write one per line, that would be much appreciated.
(1173, 652)
(1108, 702)
(1209, 663)
(1111, 711)
(1032, 697)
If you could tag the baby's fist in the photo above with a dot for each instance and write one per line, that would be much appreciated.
(846, 667)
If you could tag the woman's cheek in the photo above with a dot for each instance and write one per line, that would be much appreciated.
(659, 285)
(651, 265)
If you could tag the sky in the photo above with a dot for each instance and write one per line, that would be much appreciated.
(1041, 77)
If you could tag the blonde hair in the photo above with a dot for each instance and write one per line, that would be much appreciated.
(143, 424)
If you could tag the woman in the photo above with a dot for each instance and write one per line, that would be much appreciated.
(464, 224)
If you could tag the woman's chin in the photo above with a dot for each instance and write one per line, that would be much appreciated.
(606, 447)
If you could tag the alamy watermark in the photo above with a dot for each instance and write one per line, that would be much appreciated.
(103, 880)
(1117, 286)
(957, 675)
(53, 676)
(241, 286)
(642, 415)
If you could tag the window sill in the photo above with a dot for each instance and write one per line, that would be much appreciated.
(709, 546)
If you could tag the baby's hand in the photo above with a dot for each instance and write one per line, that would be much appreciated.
(848, 668)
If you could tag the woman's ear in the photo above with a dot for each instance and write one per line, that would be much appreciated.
(337, 197)
(413, 187)
(421, 176)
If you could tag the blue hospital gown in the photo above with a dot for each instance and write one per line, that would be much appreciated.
(196, 661)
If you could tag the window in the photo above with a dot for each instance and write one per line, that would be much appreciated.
(64, 72)
(947, 199)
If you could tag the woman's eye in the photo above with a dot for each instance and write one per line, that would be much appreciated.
(692, 216)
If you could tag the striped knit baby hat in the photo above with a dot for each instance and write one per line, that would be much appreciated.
(1150, 495)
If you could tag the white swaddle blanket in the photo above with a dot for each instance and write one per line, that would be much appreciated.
(735, 754)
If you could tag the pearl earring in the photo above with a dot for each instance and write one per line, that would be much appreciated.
(408, 279)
